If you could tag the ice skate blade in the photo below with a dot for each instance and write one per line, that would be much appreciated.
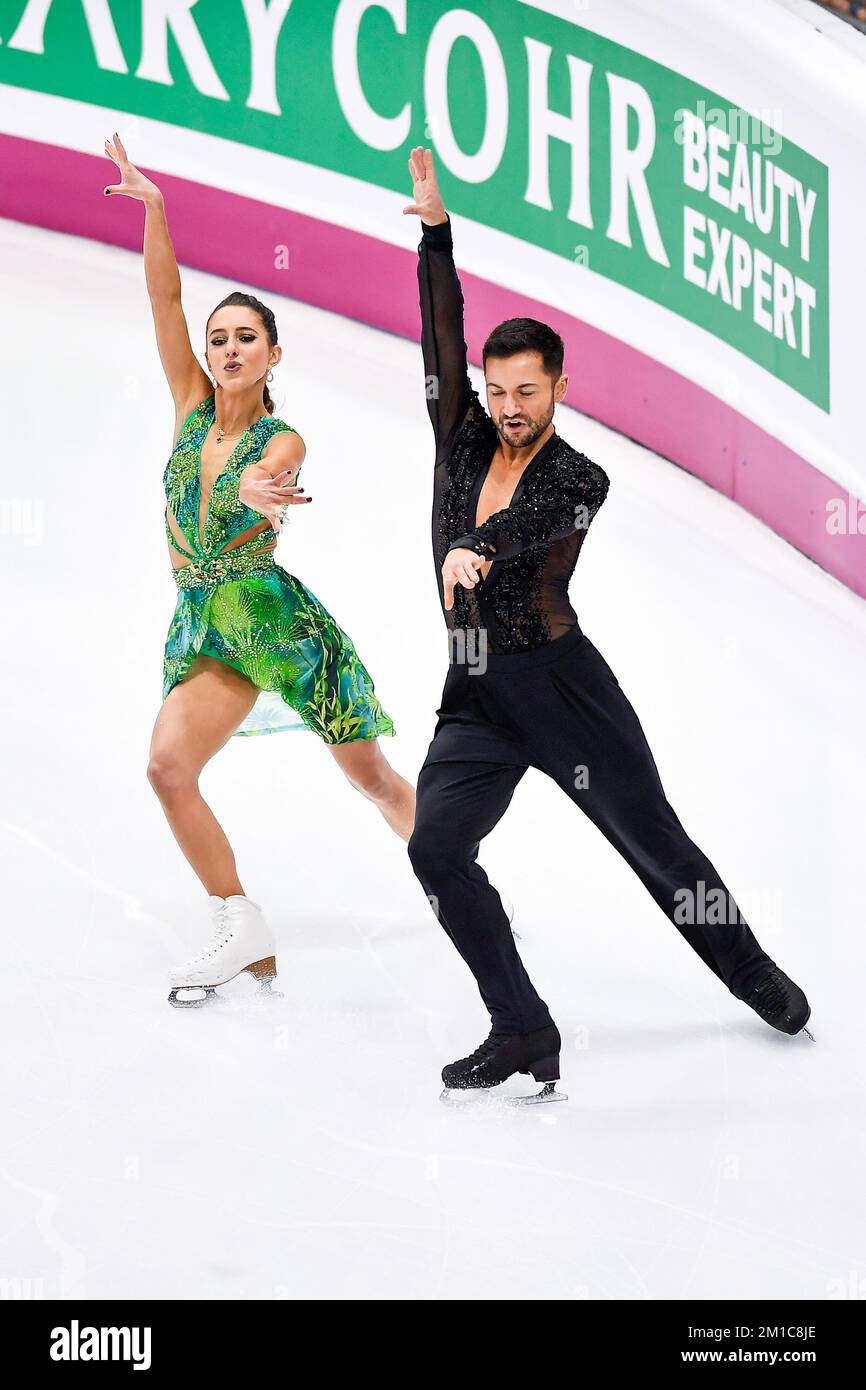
(808, 1034)
(262, 995)
(547, 1093)
(210, 997)
(462, 1096)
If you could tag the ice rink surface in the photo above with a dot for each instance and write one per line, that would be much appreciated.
(299, 1149)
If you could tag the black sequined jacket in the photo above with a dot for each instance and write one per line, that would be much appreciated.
(523, 601)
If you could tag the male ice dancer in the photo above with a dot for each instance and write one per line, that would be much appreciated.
(525, 686)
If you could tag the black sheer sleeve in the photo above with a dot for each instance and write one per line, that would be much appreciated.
(568, 503)
(448, 388)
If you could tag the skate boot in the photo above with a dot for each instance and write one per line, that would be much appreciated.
(781, 1003)
(241, 940)
(503, 1054)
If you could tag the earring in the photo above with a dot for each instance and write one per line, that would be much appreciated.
(270, 376)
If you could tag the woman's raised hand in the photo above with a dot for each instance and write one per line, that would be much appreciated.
(133, 183)
(271, 495)
(425, 190)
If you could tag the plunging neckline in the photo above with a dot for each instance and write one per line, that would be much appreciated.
(217, 476)
(470, 518)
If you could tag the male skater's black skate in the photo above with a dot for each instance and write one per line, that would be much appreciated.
(781, 1003)
(504, 1054)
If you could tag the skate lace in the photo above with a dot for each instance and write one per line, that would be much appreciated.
(221, 934)
(487, 1048)
(770, 996)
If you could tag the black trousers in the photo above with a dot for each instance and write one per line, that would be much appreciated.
(558, 708)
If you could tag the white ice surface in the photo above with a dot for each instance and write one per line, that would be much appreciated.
(301, 1150)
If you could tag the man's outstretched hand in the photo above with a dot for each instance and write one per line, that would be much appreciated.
(428, 203)
(461, 567)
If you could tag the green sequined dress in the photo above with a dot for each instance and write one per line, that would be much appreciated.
(246, 610)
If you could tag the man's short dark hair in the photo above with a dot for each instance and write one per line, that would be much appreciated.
(527, 335)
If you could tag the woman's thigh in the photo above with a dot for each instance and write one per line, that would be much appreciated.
(200, 714)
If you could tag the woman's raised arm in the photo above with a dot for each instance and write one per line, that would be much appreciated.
(187, 382)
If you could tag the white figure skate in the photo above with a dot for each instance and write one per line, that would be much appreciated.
(241, 940)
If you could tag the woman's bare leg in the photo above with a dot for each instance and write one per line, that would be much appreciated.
(368, 770)
(196, 719)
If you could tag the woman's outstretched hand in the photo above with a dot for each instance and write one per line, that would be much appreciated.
(133, 183)
(270, 495)
(428, 203)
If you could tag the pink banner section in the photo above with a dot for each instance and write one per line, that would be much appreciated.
(336, 268)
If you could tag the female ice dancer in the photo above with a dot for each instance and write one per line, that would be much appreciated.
(250, 649)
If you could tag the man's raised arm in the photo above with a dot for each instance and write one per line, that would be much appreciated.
(448, 387)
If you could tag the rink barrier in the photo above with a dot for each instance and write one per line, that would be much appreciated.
(338, 269)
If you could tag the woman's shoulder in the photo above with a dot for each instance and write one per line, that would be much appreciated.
(275, 425)
(291, 445)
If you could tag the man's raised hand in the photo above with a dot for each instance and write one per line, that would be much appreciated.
(428, 203)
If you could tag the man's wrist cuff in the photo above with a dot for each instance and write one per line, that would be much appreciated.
(439, 234)
(473, 541)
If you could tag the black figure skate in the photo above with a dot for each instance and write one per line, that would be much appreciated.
(781, 1003)
(501, 1056)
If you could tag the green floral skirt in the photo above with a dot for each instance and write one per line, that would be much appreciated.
(268, 625)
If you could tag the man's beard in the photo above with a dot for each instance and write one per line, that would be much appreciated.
(527, 434)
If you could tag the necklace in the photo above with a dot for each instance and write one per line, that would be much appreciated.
(221, 434)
